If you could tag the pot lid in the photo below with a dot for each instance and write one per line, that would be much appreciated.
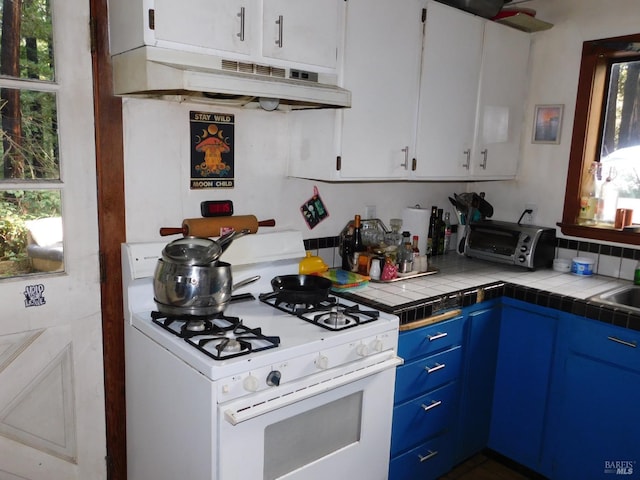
(192, 251)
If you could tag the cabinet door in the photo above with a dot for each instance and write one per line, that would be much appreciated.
(382, 69)
(523, 373)
(211, 24)
(304, 31)
(503, 86)
(448, 92)
(597, 432)
(480, 357)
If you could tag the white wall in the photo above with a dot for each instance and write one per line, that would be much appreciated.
(555, 63)
(157, 163)
(157, 147)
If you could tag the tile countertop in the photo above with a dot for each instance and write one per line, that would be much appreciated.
(463, 281)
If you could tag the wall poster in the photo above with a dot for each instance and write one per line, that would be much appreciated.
(212, 155)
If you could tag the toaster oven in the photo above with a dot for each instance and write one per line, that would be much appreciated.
(529, 246)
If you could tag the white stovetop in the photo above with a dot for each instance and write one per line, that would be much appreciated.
(458, 272)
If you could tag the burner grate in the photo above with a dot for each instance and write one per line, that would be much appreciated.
(218, 336)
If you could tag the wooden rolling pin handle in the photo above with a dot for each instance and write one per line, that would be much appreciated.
(267, 223)
(172, 231)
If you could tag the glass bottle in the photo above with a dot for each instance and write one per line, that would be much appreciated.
(432, 231)
(588, 196)
(347, 250)
(357, 245)
(441, 229)
(414, 247)
(447, 232)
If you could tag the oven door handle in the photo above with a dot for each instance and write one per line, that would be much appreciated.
(246, 409)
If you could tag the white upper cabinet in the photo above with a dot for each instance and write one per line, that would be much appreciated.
(472, 92)
(448, 92)
(303, 31)
(374, 139)
(273, 32)
(501, 102)
(382, 70)
(225, 25)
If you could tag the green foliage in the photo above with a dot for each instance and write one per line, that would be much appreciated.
(17, 207)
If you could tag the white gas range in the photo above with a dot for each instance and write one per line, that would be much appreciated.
(258, 392)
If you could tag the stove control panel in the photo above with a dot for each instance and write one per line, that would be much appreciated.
(345, 357)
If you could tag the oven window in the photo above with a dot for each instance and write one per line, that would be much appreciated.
(309, 436)
(494, 241)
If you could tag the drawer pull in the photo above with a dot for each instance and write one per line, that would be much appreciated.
(623, 342)
(424, 458)
(437, 336)
(438, 366)
(434, 404)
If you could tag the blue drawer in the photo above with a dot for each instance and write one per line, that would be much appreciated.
(427, 340)
(424, 417)
(428, 461)
(420, 376)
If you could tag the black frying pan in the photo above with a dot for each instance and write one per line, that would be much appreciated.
(301, 289)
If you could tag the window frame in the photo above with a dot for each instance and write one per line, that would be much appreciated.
(587, 129)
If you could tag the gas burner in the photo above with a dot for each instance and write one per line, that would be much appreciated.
(334, 319)
(338, 316)
(296, 308)
(218, 336)
(233, 341)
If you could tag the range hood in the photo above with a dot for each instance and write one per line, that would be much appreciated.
(153, 72)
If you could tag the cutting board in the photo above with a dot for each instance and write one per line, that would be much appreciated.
(344, 280)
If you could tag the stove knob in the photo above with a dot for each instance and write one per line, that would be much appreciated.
(273, 378)
(322, 362)
(362, 350)
(377, 345)
(250, 384)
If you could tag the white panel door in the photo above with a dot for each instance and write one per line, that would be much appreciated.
(226, 25)
(303, 31)
(382, 69)
(503, 86)
(448, 92)
(52, 423)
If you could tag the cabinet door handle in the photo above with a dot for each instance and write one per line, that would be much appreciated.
(240, 34)
(623, 342)
(438, 366)
(433, 404)
(431, 454)
(280, 23)
(467, 152)
(484, 159)
(437, 336)
(406, 158)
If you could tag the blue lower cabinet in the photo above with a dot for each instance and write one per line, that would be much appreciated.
(521, 393)
(427, 461)
(423, 417)
(597, 431)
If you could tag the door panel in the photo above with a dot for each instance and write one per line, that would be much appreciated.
(51, 378)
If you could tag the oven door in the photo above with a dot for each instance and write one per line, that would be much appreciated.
(343, 431)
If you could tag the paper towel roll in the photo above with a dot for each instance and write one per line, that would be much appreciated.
(416, 221)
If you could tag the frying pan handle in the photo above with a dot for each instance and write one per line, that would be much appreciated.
(164, 231)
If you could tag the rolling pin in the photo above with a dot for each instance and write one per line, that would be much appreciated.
(211, 226)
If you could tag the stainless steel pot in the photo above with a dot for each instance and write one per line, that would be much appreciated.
(194, 289)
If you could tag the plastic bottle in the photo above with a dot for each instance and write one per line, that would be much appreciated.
(414, 247)
(447, 232)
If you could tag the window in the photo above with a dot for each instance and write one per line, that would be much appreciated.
(605, 148)
(30, 187)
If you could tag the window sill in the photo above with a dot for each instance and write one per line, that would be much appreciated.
(599, 233)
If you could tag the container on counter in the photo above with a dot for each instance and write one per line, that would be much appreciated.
(582, 266)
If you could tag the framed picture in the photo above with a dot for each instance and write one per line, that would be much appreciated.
(547, 124)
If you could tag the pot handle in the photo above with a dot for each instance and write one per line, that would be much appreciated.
(225, 240)
(245, 282)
